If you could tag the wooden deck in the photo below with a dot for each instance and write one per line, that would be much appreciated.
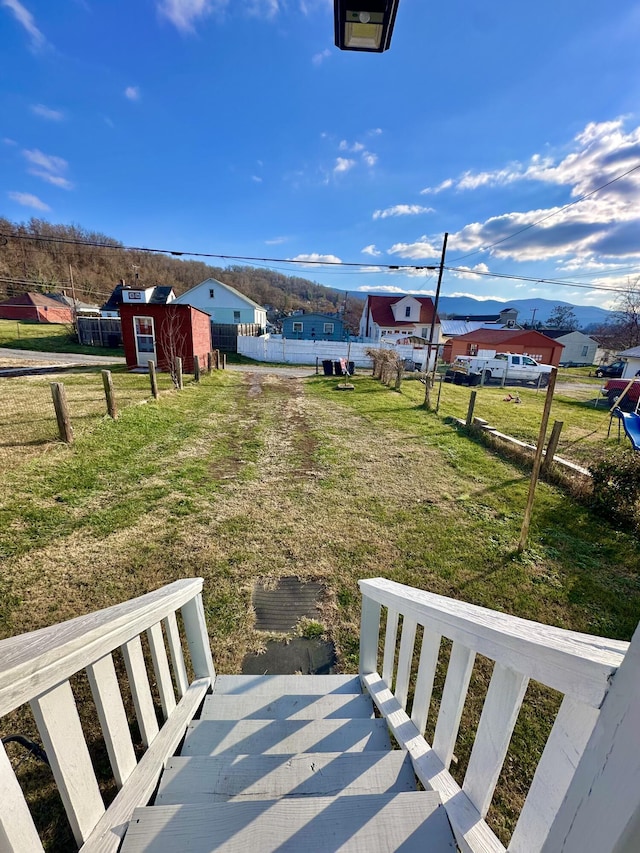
(273, 765)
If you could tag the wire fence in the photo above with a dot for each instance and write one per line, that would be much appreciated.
(28, 422)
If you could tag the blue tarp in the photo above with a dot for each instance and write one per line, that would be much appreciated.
(631, 423)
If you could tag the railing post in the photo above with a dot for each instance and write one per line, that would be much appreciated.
(601, 810)
(369, 634)
(195, 627)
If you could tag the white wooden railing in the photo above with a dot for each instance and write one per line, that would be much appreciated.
(585, 794)
(35, 668)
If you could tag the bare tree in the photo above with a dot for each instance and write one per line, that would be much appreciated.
(623, 331)
(563, 317)
(173, 341)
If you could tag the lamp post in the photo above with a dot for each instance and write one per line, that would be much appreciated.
(365, 25)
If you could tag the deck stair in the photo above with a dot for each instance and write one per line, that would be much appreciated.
(289, 763)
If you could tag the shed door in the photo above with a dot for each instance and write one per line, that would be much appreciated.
(145, 340)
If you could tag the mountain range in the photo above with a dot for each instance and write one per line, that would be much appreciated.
(588, 317)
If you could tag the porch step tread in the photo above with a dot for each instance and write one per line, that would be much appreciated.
(284, 737)
(370, 823)
(206, 779)
(280, 685)
(300, 706)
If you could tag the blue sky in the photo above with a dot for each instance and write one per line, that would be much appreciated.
(236, 127)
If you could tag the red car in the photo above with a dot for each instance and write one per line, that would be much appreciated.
(613, 391)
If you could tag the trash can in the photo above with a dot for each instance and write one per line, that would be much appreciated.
(338, 368)
(327, 367)
(351, 368)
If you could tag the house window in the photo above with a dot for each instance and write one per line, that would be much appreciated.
(212, 293)
(297, 327)
(328, 328)
(473, 349)
(585, 350)
(425, 332)
(236, 316)
(407, 311)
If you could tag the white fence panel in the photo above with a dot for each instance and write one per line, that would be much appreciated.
(287, 351)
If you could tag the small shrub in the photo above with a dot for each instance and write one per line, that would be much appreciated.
(616, 486)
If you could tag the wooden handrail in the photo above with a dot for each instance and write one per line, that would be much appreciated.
(33, 663)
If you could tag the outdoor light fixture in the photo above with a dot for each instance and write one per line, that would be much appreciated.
(364, 24)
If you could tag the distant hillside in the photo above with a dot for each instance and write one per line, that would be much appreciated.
(97, 270)
(587, 316)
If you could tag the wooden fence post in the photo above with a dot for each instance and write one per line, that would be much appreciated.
(224, 360)
(472, 405)
(526, 521)
(179, 379)
(153, 379)
(552, 446)
(107, 381)
(216, 358)
(62, 412)
(209, 361)
(196, 368)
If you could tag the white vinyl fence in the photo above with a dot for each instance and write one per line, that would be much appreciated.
(278, 349)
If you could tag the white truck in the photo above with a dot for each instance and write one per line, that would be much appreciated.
(476, 370)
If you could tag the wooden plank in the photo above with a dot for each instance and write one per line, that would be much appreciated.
(59, 726)
(161, 669)
(278, 685)
(17, 830)
(563, 750)
(389, 657)
(218, 778)
(32, 663)
(453, 698)
(579, 665)
(215, 737)
(499, 714)
(109, 831)
(113, 718)
(369, 635)
(471, 832)
(601, 809)
(177, 657)
(300, 706)
(140, 690)
(405, 659)
(373, 823)
(429, 653)
(195, 628)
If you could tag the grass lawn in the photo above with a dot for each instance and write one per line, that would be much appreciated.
(46, 337)
(254, 476)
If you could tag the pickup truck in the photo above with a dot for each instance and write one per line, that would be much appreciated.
(614, 388)
(472, 370)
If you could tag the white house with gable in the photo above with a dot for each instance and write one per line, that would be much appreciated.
(397, 316)
(224, 303)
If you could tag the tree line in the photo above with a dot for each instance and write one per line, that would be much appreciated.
(31, 264)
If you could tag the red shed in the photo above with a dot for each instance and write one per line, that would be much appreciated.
(35, 306)
(525, 341)
(161, 332)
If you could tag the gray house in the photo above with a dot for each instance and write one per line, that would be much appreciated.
(313, 327)
(579, 348)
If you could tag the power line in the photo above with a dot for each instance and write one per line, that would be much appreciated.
(549, 215)
(557, 282)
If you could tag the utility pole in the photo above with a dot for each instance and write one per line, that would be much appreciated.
(429, 379)
(533, 317)
(75, 304)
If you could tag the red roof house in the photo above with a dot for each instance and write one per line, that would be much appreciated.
(36, 307)
(398, 316)
(159, 333)
(526, 342)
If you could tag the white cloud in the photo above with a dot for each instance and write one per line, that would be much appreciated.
(24, 17)
(468, 272)
(28, 200)
(318, 58)
(276, 241)
(8, 141)
(263, 8)
(357, 146)
(422, 249)
(381, 288)
(256, 178)
(484, 298)
(48, 167)
(47, 112)
(375, 131)
(314, 257)
(343, 164)
(370, 159)
(401, 210)
(445, 185)
(371, 250)
(132, 93)
(184, 13)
